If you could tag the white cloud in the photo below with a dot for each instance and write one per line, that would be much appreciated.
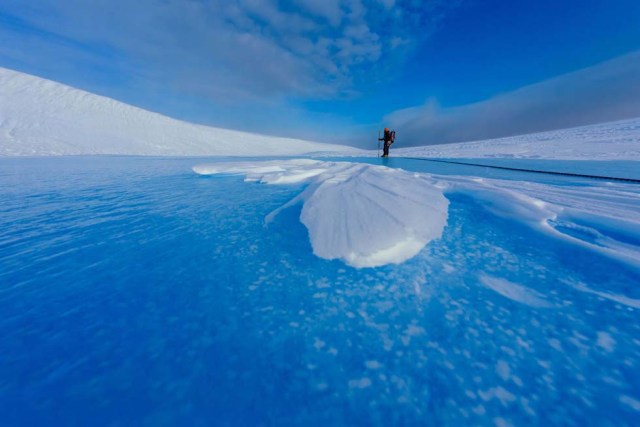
(605, 92)
(243, 48)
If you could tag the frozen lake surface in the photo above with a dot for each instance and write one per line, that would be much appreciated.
(136, 292)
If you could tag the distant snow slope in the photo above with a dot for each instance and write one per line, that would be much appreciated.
(607, 141)
(40, 117)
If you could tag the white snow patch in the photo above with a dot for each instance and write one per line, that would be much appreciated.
(365, 215)
(503, 370)
(40, 117)
(620, 299)
(360, 383)
(591, 216)
(606, 341)
(555, 344)
(514, 292)
(631, 402)
(318, 344)
(373, 364)
(498, 393)
(501, 422)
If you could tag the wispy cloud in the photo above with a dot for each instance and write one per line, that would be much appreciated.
(242, 49)
(605, 92)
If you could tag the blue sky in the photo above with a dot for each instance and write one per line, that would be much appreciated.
(335, 70)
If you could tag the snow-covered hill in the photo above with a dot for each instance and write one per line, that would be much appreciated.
(41, 117)
(607, 141)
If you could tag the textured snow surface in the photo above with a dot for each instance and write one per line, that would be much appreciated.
(370, 216)
(607, 141)
(365, 215)
(39, 117)
(601, 217)
(514, 292)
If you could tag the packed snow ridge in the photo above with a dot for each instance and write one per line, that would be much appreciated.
(370, 216)
(365, 215)
(607, 141)
(40, 117)
(601, 217)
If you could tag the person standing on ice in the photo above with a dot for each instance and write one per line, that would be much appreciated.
(388, 138)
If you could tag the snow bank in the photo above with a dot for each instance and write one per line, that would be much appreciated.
(365, 215)
(607, 141)
(602, 216)
(39, 117)
(372, 215)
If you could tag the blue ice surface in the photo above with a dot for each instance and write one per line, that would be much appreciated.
(624, 169)
(135, 292)
(627, 169)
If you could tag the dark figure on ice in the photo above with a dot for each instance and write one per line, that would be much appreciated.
(388, 138)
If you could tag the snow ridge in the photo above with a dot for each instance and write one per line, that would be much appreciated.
(365, 215)
(370, 215)
(593, 217)
(40, 117)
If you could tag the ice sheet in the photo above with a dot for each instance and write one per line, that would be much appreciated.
(160, 295)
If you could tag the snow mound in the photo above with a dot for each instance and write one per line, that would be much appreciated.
(365, 215)
(39, 117)
(607, 141)
(602, 217)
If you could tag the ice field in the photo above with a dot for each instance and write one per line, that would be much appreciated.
(135, 291)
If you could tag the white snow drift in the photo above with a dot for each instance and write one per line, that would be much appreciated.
(514, 291)
(370, 216)
(40, 117)
(592, 216)
(365, 215)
